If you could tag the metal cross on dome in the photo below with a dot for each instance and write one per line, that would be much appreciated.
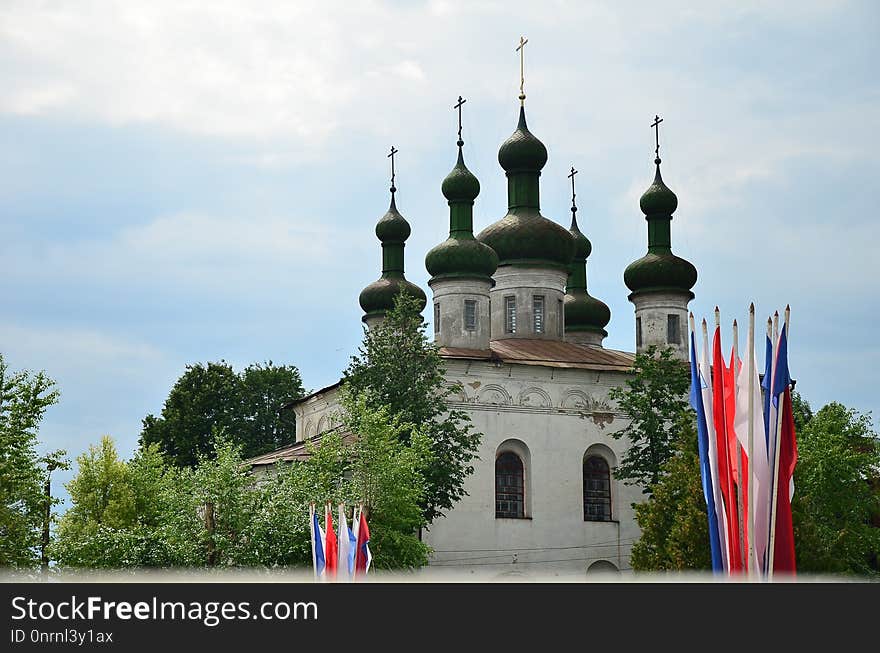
(461, 101)
(571, 176)
(391, 156)
(522, 77)
(656, 127)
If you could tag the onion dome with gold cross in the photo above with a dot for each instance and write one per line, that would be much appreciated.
(525, 237)
(660, 269)
(583, 312)
(392, 230)
(461, 255)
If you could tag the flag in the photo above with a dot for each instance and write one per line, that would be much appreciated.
(783, 547)
(758, 498)
(706, 391)
(317, 539)
(725, 469)
(363, 557)
(347, 546)
(330, 544)
(696, 401)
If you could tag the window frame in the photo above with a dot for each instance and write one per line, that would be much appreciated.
(601, 497)
(472, 303)
(538, 324)
(506, 496)
(673, 327)
(510, 314)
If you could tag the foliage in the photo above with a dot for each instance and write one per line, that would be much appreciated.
(654, 399)
(837, 494)
(399, 368)
(387, 476)
(674, 521)
(143, 513)
(24, 398)
(213, 397)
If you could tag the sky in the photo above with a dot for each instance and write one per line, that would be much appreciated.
(193, 181)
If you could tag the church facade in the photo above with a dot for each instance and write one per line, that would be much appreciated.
(522, 337)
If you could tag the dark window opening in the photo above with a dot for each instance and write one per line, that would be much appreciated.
(509, 486)
(470, 315)
(673, 334)
(597, 490)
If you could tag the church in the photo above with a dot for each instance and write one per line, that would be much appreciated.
(519, 331)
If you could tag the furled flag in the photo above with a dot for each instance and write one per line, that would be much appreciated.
(725, 469)
(330, 545)
(317, 538)
(696, 400)
(783, 548)
(363, 557)
(756, 514)
(706, 391)
(347, 547)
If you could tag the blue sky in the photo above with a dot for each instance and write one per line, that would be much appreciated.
(185, 182)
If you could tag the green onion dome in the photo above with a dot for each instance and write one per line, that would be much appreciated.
(461, 255)
(583, 312)
(524, 236)
(522, 151)
(378, 297)
(460, 184)
(392, 227)
(659, 269)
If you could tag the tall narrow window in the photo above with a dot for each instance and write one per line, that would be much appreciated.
(470, 315)
(597, 489)
(437, 317)
(560, 318)
(510, 314)
(538, 313)
(673, 337)
(638, 332)
(509, 486)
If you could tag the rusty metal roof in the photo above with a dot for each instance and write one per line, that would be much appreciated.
(293, 452)
(548, 353)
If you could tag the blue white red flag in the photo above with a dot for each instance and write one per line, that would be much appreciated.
(363, 557)
(696, 400)
(318, 562)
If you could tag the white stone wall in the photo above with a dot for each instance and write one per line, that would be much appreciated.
(451, 295)
(557, 415)
(586, 338)
(524, 283)
(316, 414)
(653, 309)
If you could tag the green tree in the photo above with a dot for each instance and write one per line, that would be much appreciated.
(399, 368)
(24, 398)
(211, 397)
(837, 494)
(264, 390)
(674, 520)
(654, 399)
(387, 463)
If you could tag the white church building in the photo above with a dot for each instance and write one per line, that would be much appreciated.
(519, 331)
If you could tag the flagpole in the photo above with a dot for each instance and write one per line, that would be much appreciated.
(719, 506)
(312, 531)
(751, 510)
(739, 460)
(776, 444)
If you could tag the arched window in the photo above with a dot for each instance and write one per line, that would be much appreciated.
(509, 486)
(597, 489)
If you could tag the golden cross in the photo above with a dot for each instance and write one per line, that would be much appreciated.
(522, 78)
